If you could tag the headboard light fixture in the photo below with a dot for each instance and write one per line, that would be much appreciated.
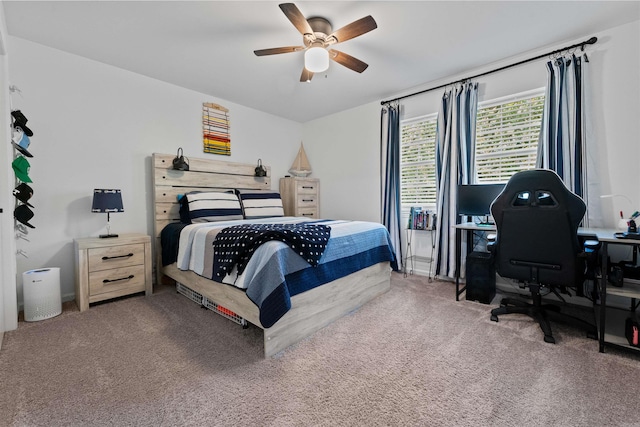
(260, 170)
(179, 162)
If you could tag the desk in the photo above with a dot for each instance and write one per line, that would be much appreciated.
(608, 334)
(613, 332)
(471, 227)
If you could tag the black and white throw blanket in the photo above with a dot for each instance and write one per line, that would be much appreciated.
(235, 245)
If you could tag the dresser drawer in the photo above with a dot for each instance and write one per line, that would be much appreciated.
(129, 279)
(116, 256)
(308, 201)
(306, 188)
(308, 212)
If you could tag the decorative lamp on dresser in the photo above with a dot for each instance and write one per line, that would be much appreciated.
(112, 267)
(300, 196)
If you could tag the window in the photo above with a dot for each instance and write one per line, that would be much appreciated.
(417, 162)
(507, 132)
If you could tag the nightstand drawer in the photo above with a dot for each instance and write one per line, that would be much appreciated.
(116, 256)
(131, 279)
(306, 187)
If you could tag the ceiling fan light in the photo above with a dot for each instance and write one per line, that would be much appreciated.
(316, 59)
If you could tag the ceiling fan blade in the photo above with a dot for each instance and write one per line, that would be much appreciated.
(296, 17)
(348, 61)
(306, 75)
(355, 29)
(277, 50)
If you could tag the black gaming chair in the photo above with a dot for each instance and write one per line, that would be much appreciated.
(536, 242)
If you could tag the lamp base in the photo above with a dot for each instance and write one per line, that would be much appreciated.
(104, 236)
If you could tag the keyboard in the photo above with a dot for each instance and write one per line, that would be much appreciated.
(628, 235)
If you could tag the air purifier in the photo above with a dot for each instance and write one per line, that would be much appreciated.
(41, 291)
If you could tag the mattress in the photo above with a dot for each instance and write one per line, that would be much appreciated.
(275, 272)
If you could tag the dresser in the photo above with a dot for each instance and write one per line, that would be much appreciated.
(112, 267)
(300, 196)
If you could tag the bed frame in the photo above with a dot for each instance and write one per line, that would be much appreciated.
(310, 311)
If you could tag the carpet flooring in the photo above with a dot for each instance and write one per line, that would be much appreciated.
(411, 357)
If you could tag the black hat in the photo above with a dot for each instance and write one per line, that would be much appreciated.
(23, 192)
(19, 120)
(23, 214)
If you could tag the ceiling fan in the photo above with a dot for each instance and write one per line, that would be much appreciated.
(317, 36)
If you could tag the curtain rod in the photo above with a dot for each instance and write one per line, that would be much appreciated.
(592, 40)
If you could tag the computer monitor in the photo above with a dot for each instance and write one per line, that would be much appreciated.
(476, 199)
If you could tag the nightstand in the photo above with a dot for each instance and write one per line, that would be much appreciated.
(300, 196)
(111, 267)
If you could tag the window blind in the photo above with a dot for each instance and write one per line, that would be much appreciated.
(507, 133)
(417, 161)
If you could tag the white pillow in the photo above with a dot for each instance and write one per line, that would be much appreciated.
(213, 206)
(260, 204)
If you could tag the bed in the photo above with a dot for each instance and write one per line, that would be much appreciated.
(308, 310)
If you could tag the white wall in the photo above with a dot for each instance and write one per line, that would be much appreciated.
(8, 309)
(344, 151)
(96, 126)
(615, 78)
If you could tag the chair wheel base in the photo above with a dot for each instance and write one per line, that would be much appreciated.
(494, 318)
(549, 339)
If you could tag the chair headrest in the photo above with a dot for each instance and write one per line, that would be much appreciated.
(539, 187)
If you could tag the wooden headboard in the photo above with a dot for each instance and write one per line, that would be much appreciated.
(203, 174)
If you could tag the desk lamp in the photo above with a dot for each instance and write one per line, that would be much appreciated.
(107, 201)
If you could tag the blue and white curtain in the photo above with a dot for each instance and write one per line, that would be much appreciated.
(455, 164)
(565, 144)
(390, 173)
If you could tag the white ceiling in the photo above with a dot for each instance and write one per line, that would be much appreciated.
(208, 46)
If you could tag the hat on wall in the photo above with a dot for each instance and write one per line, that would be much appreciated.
(19, 120)
(23, 192)
(21, 169)
(23, 214)
(21, 142)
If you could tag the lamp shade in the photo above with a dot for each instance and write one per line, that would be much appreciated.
(316, 59)
(107, 201)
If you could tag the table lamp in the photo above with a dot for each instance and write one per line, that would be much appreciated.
(107, 200)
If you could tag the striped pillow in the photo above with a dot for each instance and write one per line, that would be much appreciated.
(260, 204)
(213, 206)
